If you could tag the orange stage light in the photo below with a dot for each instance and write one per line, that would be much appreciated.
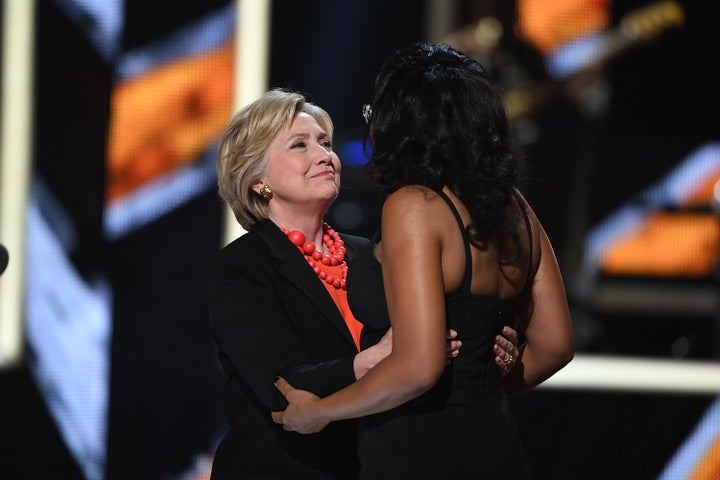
(669, 244)
(548, 24)
(165, 118)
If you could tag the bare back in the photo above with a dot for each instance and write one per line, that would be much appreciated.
(491, 276)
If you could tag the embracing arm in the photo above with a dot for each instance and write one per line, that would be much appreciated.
(254, 333)
(412, 273)
(366, 359)
(547, 323)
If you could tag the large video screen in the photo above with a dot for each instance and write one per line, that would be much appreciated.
(123, 218)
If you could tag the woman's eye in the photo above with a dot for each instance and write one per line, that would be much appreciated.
(298, 145)
(327, 144)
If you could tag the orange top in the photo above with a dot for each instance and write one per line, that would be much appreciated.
(339, 296)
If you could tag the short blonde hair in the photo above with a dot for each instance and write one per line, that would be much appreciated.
(241, 157)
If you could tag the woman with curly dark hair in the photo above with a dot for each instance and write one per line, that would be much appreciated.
(461, 248)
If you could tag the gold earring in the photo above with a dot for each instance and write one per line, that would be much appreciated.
(266, 192)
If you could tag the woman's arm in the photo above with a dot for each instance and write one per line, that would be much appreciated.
(412, 273)
(254, 333)
(546, 320)
(505, 348)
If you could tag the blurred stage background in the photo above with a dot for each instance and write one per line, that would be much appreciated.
(107, 369)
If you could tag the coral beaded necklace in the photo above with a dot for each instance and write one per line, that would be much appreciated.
(336, 248)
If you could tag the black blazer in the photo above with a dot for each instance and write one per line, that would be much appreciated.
(271, 316)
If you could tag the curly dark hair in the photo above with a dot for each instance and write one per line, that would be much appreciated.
(437, 120)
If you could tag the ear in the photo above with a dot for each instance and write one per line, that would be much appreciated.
(257, 185)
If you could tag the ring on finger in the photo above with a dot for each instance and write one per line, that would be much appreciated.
(508, 361)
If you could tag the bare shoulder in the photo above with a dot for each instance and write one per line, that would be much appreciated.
(414, 215)
(412, 201)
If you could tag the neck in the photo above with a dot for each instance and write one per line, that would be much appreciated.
(306, 217)
(311, 226)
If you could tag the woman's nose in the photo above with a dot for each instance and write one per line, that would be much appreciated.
(324, 155)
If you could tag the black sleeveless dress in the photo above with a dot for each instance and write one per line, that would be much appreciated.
(463, 427)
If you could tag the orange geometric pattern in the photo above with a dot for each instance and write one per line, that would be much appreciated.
(165, 118)
(704, 194)
(671, 244)
(548, 24)
(708, 467)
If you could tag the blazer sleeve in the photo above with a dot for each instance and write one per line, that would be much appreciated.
(254, 332)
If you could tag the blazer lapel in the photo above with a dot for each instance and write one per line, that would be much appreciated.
(294, 268)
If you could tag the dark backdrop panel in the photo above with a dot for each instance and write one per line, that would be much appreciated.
(166, 387)
(166, 390)
(71, 106)
(331, 51)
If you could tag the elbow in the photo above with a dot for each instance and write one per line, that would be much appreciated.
(561, 350)
(565, 358)
(547, 362)
(417, 388)
(424, 384)
(542, 361)
(562, 356)
(421, 377)
(567, 351)
(424, 378)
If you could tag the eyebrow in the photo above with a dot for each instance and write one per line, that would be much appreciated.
(304, 135)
